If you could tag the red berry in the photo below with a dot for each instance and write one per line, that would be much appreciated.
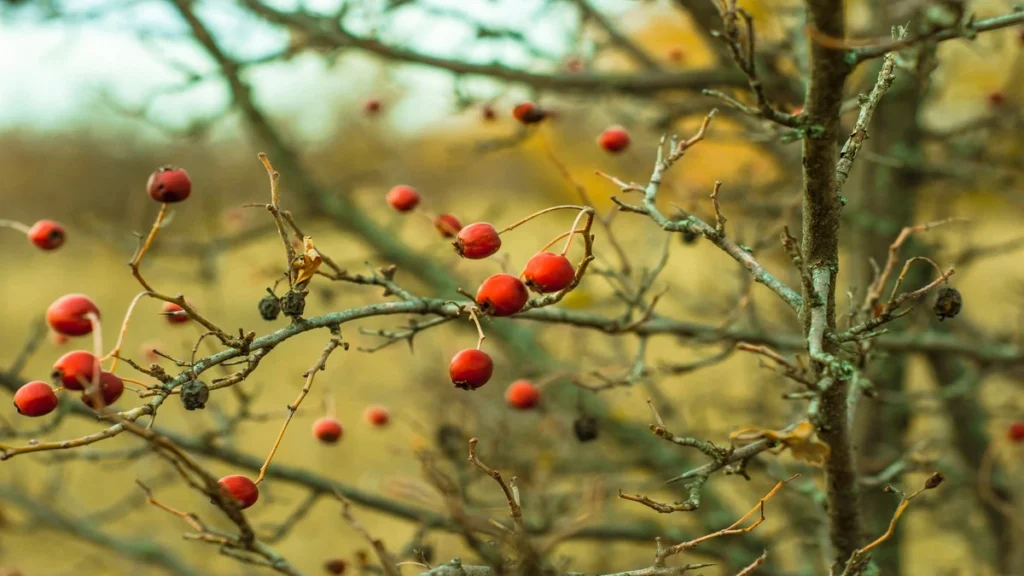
(996, 99)
(403, 198)
(175, 314)
(547, 272)
(149, 351)
(522, 394)
(336, 566)
(488, 113)
(35, 399)
(75, 369)
(243, 490)
(1016, 432)
(67, 315)
(372, 106)
(46, 235)
(111, 388)
(169, 184)
(798, 111)
(614, 139)
(448, 225)
(675, 54)
(327, 430)
(502, 295)
(377, 416)
(476, 241)
(528, 113)
(470, 369)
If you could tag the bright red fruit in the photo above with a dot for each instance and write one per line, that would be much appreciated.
(547, 272)
(111, 388)
(75, 369)
(377, 415)
(448, 225)
(476, 241)
(403, 198)
(528, 113)
(502, 295)
(169, 184)
(1016, 432)
(327, 430)
(243, 490)
(522, 394)
(175, 314)
(67, 315)
(35, 399)
(46, 235)
(372, 106)
(470, 369)
(614, 139)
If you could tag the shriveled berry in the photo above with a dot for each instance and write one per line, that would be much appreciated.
(585, 428)
(614, 139)
(169, 184)
(47, 235)
(270, 307)
(403, 198)
(335, 566)
(194, 394)
(689, 236)
(75, 369)
(175, 314)
(502, 295)
(528, 113)
(948, 303)
(327, 430)
(547, 272)
(68, 315)
(293, 304)
(377, 416)
(470, 369)
(522, 394)
(35, 399)
(110, 388)
(243, 490)
(448, 225)
(934, 481)
(476, 241)
(1016, 432)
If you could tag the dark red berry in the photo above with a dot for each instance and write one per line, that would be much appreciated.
(46, 235)
(614, 139)
(35, 399)
(476, 241)
(403, 198)
(75, 370)
(996, 99)
(448, 225)
(522, 394)
(169, 184)
(243, 490)
(488, 113)
(470, 369)
(335, 566)
(547, 272)
(372, 106)
(528, 113)
(1016, 432)
(327, 430)
(110, 388)
(502, 295)
(68, 315)
(378, 416)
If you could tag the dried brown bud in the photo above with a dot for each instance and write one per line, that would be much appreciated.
(293, 303)
(948, 303)
(933, 481)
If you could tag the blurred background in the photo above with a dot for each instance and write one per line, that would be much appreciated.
(96, 94)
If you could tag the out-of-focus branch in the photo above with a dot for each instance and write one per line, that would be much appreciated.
(621, 40)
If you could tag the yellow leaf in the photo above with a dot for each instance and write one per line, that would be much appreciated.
(801, 439)
(305, 265)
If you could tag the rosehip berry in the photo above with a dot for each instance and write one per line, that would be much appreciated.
(470, 369)
(528, 113)
(1016, 432)
(614, 139)
(488, 113)
(327, 430)
(547, 272)
(336, 566)
(111, 388)
(522, 394)
(378, 416)
(75, 369)
(67, 315)
(169, 184)
(996, 99)
(476, 241)
(502, 295)
(46, 235)
(243, 490)
(403, 198)
(372, 106)
(35, 399)
(175, 314)
(448, 225)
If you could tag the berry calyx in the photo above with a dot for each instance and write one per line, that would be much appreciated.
(175, 314)
(528, 113)
(47, 235)
(470, 369)
(110, 388)
(548, 272)
(502, 295)
(448, 225)
(1015, 432)
(476, 241)
(372, 106)
(377, 416)
(68, 315)
(35, 399)
(75, 370)
(614, 139)
(243, 490)
(522, 394)
(169, 184)
(327, 430)
(403, 198)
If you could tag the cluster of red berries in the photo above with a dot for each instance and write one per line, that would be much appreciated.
(613, 139)
(404, 198)
(328, 429)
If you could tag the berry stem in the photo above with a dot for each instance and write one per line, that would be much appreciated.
(15, 225)
(479, 329)
(560, 236)
(515, 225)
(124, 329)
(141, 252)
(572, 231)
(93, 391)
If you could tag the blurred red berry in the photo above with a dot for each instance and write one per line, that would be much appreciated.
(327, 430)
(448, 225)
(403, 198)
(169, 184)
(614, 139)
(522, 394)
(35, 399)
(574, 64)
(547, 272)
(243, 490)
(502, 295)
(1016, 432)
(336, 566)
(175, 314)
(111, 388)
(528, 113)
(68, 315)
(377, 416)
(75, 370)
(798, 111)
(476, 241)
(996, 99)
(372, 106)
(149, 351)
(470, 369)
(675, 55)
(47, 235)
(488, 114)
